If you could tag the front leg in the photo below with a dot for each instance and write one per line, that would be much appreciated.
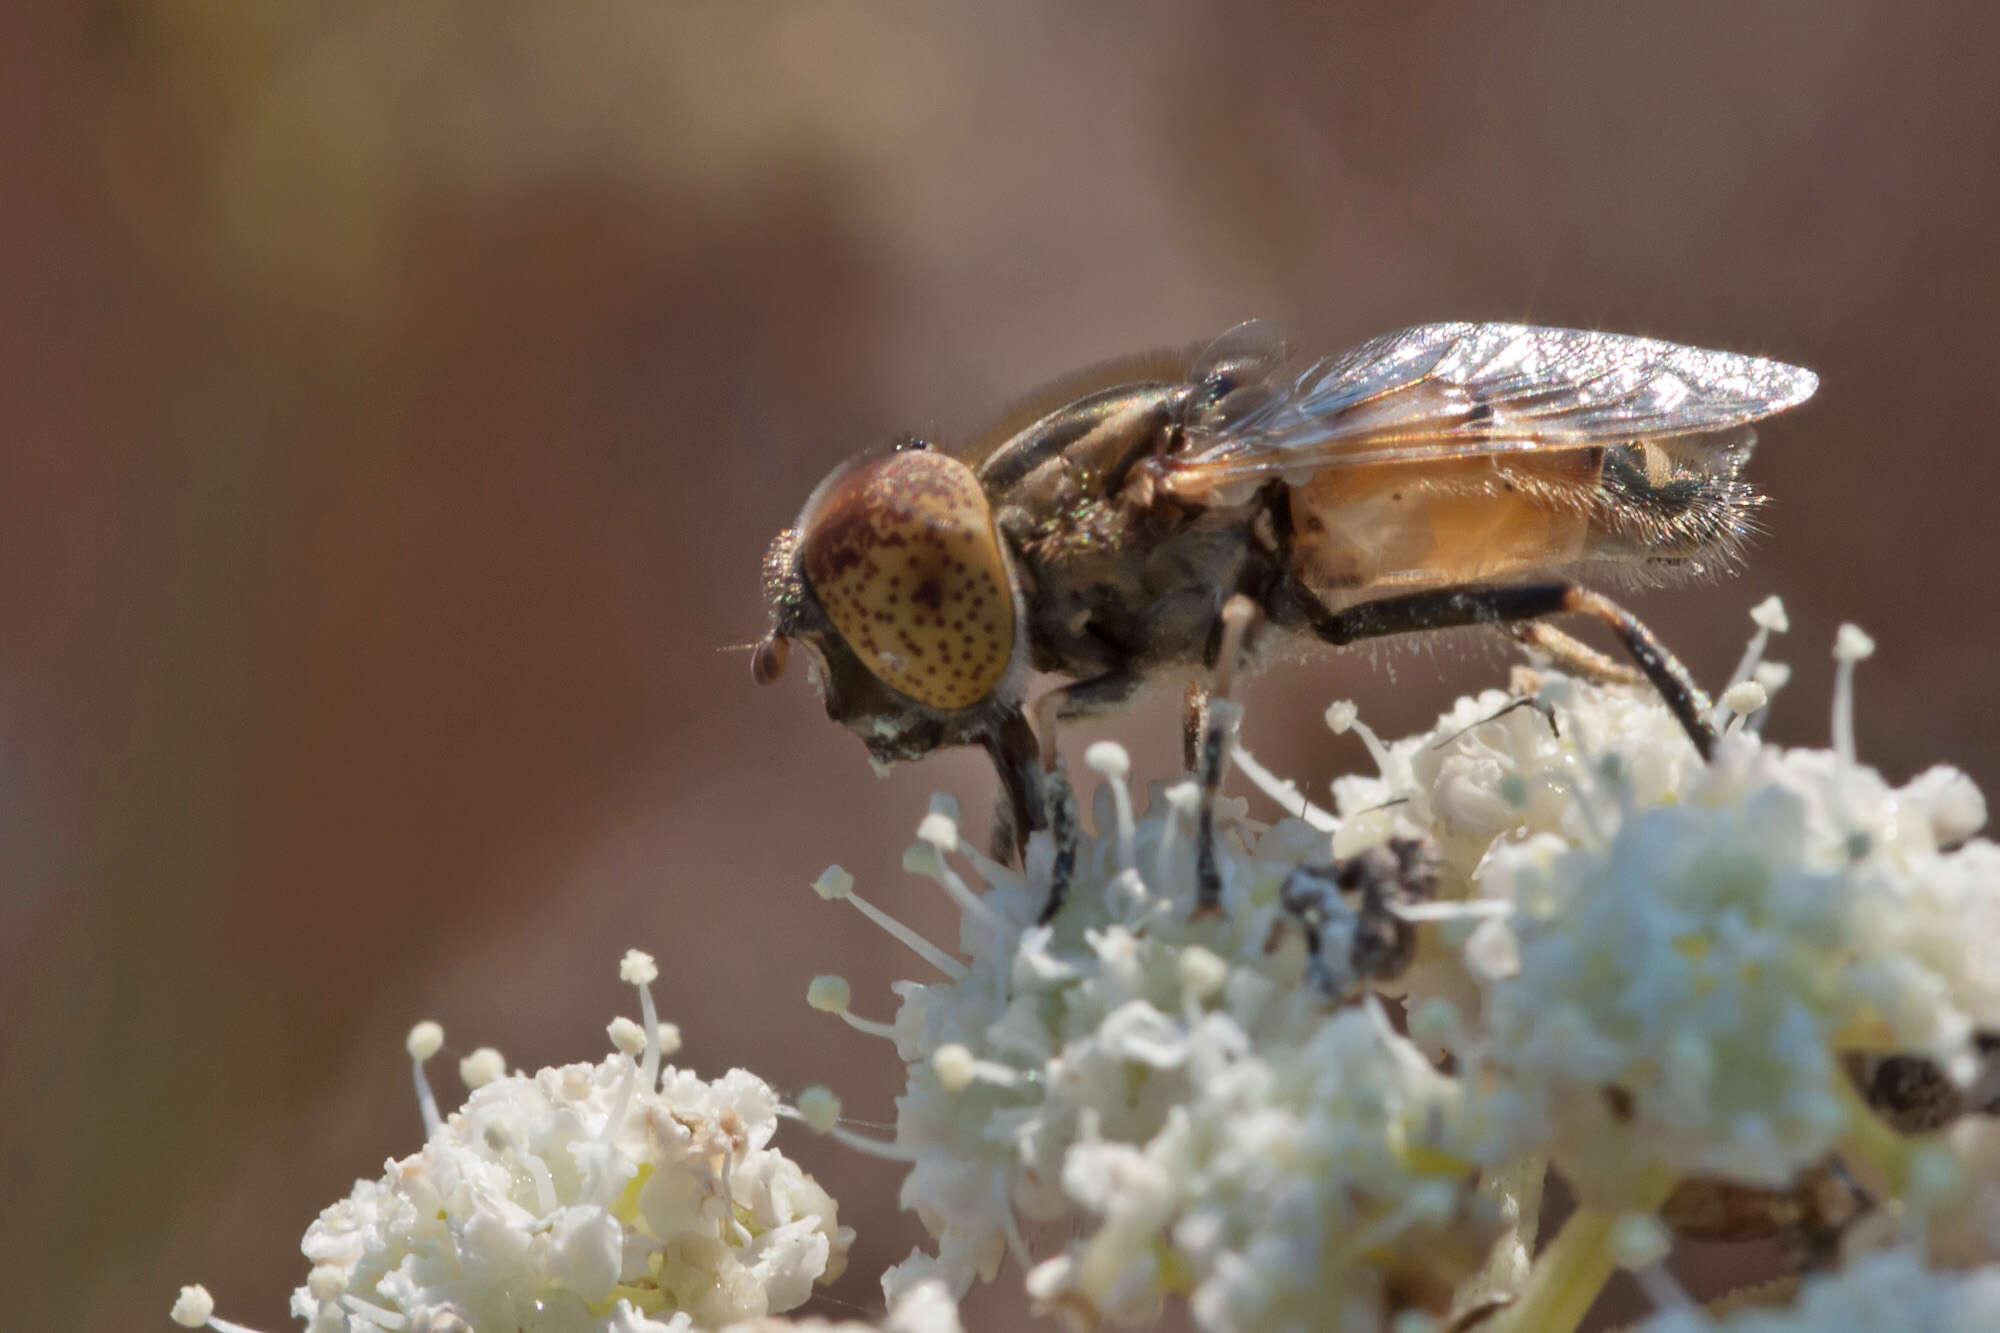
(1020, 807)
(1097, 695)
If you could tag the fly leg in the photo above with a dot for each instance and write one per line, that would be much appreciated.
(1096, 695)
(1020, 807)
(1450, 608)
(1194, 722)
(1218, 725)
(1572, 656)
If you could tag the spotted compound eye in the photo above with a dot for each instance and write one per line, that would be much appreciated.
(902, 553)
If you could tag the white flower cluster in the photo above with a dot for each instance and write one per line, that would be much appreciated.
(1166, 1080)
(576, 1198)
(619, 1197)
(1638, 966)
(1689, 950)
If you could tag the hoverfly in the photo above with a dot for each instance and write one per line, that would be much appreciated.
(1175, 518)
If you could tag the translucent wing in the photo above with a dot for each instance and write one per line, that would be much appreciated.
(1446, 391)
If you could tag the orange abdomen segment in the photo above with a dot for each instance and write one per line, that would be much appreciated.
(1377, 530)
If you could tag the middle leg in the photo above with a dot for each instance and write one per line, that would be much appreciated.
(1219, 716)
(1096, 695)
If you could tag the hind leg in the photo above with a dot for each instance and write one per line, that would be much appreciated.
(1571, 655)
(1450, 608)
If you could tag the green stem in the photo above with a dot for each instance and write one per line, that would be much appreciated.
(1570, 1273)
(1567, 1277)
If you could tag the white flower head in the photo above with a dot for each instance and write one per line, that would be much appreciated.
(1643, 966)
(1689, 951)
(610, 1196)
(1170, 1087)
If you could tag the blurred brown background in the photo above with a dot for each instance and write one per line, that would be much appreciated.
(398, 400)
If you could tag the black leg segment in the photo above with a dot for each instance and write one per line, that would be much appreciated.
(1017, 759)
(1451, 608)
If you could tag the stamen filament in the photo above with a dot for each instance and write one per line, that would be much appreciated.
(1110, 759)
(1285, 792)
(928, 860)
(868, 1025)
(1850, 645)
(1770, 619)
(888, 1152)
(1342, 717)
(907, 937)
(424, 1041)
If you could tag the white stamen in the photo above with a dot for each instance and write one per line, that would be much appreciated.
(1183, 798)
(957, 1068)
(1770, 619)
(627, 1037)
(952, 1063)
(1285, 792)
(939, 830)
(923, 858)
(830, 994)
(424, 1041)
(1109, 759)
(482, 1067)
(194, 1307)
(1954, 803)
(819, 1109)
(996, 875)
(823, 1118)
(1743, 698)
(836, 885)
(1342, 717)
(637, 968)
(873, 1028)
(1850, 645)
